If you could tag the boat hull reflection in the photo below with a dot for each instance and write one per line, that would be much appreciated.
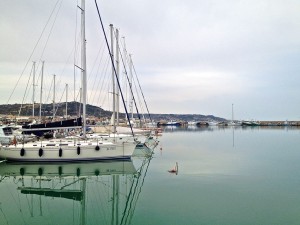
(67, 169)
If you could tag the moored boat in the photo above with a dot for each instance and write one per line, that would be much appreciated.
(67, 150)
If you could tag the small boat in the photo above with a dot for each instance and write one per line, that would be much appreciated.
(250, 123)
(175, 169)
(212, 123)
(170, 123)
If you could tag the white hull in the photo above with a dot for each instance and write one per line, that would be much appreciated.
(118, 137)
(212, 123)
(67, 150)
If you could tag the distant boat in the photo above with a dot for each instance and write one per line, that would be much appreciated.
(192, 123)
(171, 123)
(201, 123)
(250, 123)
(175, 169)
(212, 123)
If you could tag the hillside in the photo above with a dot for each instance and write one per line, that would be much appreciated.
(73, 110)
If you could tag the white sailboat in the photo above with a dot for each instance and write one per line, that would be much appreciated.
(66, 149)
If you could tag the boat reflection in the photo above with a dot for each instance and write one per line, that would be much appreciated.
(71, 193)
(216, 128)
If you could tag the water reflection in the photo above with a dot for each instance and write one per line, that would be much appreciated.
(215, 128)
(71, 193)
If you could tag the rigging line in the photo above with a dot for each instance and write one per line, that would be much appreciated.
(105, 81)
(50, 32)
(114, 68)
(94, 65)
(130, 85)
(104, 95)
(79, 102)
(47, 99)
(126, 76)
(141, 92)
(140, 188)
(31, 54)
(137, 90)
(132, 208)
(65, 66)
(94, 90)
(109, 106)
(127, 203)
(59, 101)
(133, 188)
(4, 215)
(138, 98)
(102, 79)
(124, 72)
(25, 91)
(101, 50)
(75, 64)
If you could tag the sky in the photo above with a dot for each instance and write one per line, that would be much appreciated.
(191, 57)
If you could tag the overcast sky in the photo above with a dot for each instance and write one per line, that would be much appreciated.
(191, 56)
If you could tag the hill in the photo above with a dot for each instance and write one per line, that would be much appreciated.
(73, 110)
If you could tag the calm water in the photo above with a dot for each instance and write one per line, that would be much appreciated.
(225, 176)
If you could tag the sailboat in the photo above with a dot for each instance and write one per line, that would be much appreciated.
(65, 149)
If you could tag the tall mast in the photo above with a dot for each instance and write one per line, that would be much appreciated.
(41, 94)
(83, 65)
(118, 71)
(130, 87)
(125, 60)
(113, 80)
(33, 89)
(232, 113)
(66, 101)
(53, 96)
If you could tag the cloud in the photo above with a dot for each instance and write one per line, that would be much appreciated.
(191, 56)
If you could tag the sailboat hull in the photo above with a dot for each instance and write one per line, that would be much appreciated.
(67, 151)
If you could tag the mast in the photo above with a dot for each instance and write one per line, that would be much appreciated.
(118, 82)
(33, 89)
(41, 94)
(130, 87)
(113, 80)
(232, 113)
(124, 64)
(53, 96)
(83, 202)
(118, 76)
(83, 65)
(115, 199)
(66, 101)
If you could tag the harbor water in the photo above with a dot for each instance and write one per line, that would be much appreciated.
(226, 175)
